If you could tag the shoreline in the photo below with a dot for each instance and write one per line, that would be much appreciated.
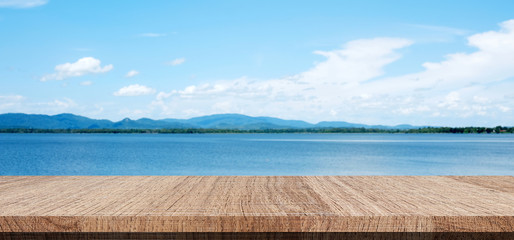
(427, 130)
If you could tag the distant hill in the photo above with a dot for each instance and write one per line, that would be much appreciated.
(217, 121)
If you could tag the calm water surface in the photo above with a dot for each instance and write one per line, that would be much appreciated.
(256, 154)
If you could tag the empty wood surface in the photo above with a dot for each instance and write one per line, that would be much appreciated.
(261, 236)
(256, 204)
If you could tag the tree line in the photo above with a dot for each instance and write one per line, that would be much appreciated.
(454, 130)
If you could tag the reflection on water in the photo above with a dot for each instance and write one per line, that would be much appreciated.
(256, 154)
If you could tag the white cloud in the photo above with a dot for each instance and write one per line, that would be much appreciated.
(131, 73)
(134, 90)
(465, 88)
(21, 104)
(51, 107)
(464, 84)
(86, 83)
(83, 66)
(303, 94)
(11, 98)
(10, 102)
(176, 62)
(65, 103)
(22, 3)
(358, 61)
(153, 35)
(18, 103)
(503, 108)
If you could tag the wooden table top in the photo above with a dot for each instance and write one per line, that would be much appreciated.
(256, 203)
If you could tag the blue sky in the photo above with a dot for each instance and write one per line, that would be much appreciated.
(377, 62)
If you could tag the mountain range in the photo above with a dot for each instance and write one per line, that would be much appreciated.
(217, 121)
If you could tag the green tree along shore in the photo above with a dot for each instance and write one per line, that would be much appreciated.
(455, 130)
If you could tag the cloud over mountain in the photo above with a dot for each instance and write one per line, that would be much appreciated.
(349, 84)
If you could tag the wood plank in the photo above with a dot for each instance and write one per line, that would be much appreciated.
(256, 204)
(263, 236)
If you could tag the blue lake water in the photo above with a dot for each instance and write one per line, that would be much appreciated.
(256, 154)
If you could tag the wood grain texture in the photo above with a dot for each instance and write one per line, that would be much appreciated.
(256, 204)
(263, 236)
